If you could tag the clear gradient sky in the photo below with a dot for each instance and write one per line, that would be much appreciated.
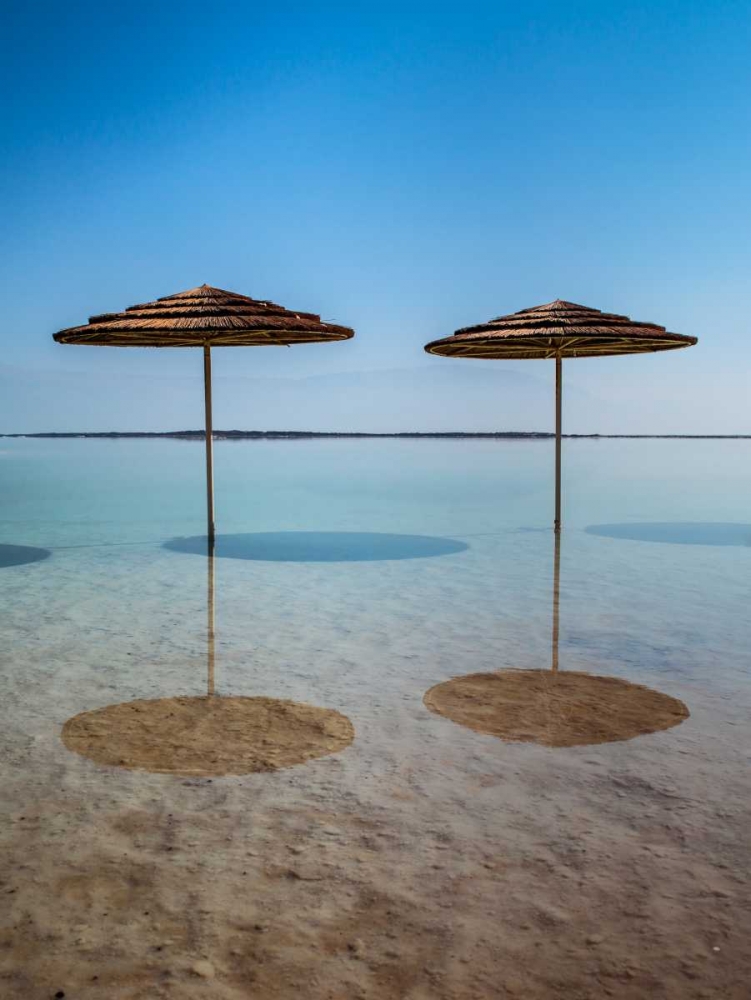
(403, 168)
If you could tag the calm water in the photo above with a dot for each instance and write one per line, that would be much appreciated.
(346, 557)
(356, 576)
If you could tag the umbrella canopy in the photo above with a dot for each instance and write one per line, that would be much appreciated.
(204, 317)
(558, 330)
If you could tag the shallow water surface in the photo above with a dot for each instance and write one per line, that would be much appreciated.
(299, 522)
(355, 576)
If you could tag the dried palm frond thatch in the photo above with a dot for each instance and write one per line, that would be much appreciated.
(204, 316)
(558, 330)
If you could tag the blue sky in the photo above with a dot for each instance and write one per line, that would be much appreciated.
(402, 168)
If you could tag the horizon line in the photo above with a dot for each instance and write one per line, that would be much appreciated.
(256, 435)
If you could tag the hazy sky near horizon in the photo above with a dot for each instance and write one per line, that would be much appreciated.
(403, 168)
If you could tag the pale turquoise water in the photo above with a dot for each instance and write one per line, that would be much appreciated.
(460, 838)
(474, 594)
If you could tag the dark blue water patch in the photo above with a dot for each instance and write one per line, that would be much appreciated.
(319, 546)
(631, 650)
(19, 555)
(678, 532)
(621, 646)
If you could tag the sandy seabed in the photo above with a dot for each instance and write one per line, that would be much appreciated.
(424, 861)
(555, 709)
(208, 736)
(456, 868)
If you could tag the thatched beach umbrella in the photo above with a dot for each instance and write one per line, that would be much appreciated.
(558, 330)
(206, 735)
(204, 317)
(548, 707)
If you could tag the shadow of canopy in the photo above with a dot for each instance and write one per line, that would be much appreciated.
(319, 546)
(19, 555)
(677, 532)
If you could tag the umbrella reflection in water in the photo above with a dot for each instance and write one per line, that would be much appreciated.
(217, 734)
(209, 735)
(552, 707)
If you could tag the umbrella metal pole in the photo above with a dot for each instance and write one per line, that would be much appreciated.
(558, 392)
(209, 444)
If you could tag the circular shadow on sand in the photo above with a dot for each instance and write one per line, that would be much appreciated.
(677, 532)
(19, 555)
(208, 736)
(561, 709)
(319, 546)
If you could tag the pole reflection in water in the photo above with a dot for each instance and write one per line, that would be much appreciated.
(556, 599)
(209, 735)
(552, 707)
(211, 625)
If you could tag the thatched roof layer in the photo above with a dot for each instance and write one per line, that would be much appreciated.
(558, 329)
(203, 316)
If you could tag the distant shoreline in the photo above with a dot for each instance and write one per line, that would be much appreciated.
(302, 435)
